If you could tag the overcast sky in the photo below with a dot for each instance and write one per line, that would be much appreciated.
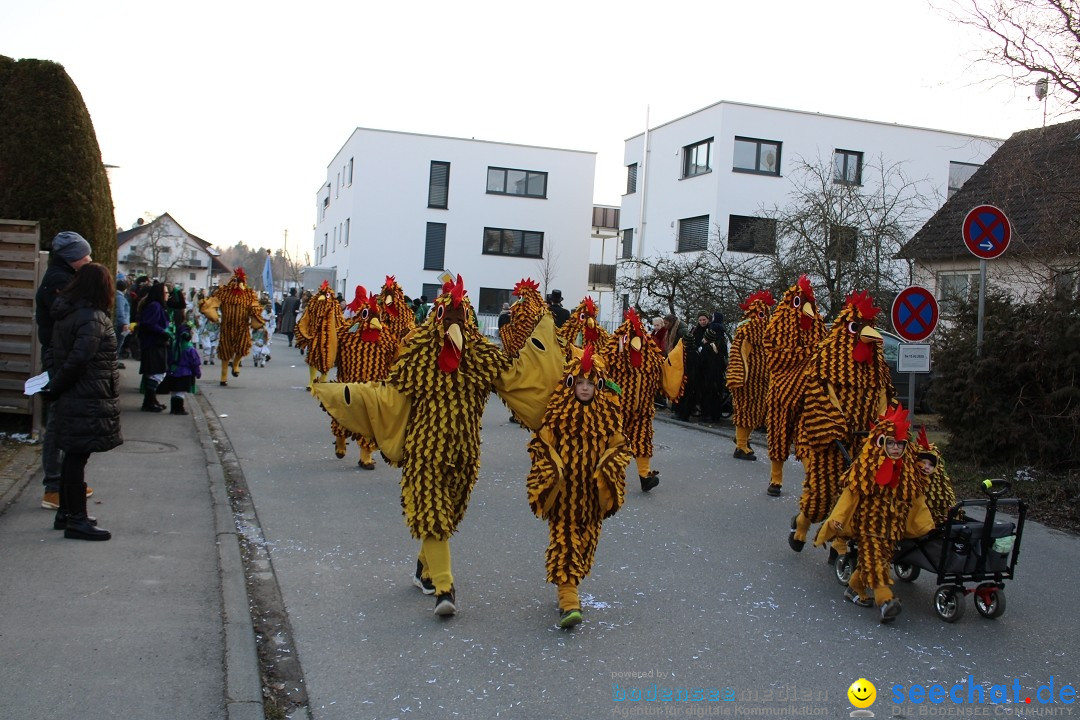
(226, 113)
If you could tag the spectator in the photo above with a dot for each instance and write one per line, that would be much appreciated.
(504, 315)
(422, 310)
(84, 388)
(288, 315)
(560, 313)
(121, 319)
(153, 329)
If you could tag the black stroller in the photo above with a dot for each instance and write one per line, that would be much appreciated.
(961, 550)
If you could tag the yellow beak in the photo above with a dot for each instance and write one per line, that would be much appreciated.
(374, 322)
(869, 335)
(635, 344)
(808, 310)
(454, 333)
(389, 300)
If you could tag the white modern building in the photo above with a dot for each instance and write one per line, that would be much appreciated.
(424, 208)
(712, 172)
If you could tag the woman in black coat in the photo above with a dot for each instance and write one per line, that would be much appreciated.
(83, 387)
(153, 329)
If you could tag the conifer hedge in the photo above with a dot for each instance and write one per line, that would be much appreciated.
(50, 163)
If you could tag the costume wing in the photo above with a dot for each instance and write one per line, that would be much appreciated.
(375, 410)
(527, 385)
(209, 308)
(674, 373)
(838, 524)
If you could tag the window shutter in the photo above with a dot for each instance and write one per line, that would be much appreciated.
(435, 246)
(439, 185)
(693, 234)
(628, 243)
(631, 179)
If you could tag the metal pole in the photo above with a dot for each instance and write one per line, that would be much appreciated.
(911, 393)
(982, 306)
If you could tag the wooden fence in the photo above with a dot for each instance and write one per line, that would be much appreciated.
(21, 267)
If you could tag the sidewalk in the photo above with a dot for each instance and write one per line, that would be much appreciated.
(152, 624)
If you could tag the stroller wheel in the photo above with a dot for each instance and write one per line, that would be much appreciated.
(845, 566)
(905, 572)
(990, 600)
(949, 603)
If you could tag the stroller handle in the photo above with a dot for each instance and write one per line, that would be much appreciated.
(996, 487)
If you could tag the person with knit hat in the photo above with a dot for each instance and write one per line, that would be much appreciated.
(69, 252)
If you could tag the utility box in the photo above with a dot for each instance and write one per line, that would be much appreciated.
(312, 277)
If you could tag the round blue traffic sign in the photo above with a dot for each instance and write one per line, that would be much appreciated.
(914, 313)
(986, 232)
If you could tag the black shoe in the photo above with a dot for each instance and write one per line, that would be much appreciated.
(649, 481)
(890, 609)
(147, 407)
(426, 586)
(796, 545)
(773, 490)
(833, 554)
(853, 597)
(78, 527)
(236, 373)
(60, 521)
(569, 618)
(445, 603)
(366, 465)
(223, 383)
(121, 366)
(177, 406)
(741, 454)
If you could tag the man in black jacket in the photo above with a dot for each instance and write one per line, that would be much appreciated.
(70, 251)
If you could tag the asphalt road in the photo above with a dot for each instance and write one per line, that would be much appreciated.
(694, 587)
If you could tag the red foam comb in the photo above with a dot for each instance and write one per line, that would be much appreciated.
(524, 284)
(635, 321)
(359, 299)
(240, 275)
(590, 306)
(924, 442)
(587, 360)
(457, 291)
(804, 287)
(390, 280)
(325, 287)
(898, 416)
(863, 305)
(763, 296)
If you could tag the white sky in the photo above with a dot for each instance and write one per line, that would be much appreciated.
(225, 114)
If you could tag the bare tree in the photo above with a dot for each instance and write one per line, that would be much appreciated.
(1032, 39)
(547, 268)
(156, 253)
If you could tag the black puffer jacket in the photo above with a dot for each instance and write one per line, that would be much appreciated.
(84, 379)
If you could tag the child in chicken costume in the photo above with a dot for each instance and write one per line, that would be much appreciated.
(397, 318)
(236, 309)
(317, 332)
(748, 372)
(365, 352)
(582, 329)
(579, 460)
(940, 494)
(425, 418)
(638, 368)
(791, 335)
(880, 504)
(844, 391)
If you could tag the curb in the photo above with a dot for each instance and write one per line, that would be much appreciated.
(17, 474)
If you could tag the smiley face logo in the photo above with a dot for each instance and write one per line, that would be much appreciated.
(862, 693)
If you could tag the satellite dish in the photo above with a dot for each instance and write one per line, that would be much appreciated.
(1041, 88)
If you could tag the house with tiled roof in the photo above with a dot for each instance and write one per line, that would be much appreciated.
(1034, 178)
(163, 249)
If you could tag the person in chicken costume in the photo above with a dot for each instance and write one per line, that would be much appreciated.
(236, 309)
(640, 370)
(425, 418)
(748, 372)
(582, 329)
(524, 314)
(365, 352)
(577, 479)
(791, 335)
(881, 503)
(940, 494)
(397, 318)
(844, 391)
(317, 332)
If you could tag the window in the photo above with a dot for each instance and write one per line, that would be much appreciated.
(751, 234)
(348, 173)
(955, 288)
(697, 158)
(519, 243)
(843, 243)
(958, 175)
(529, 183)
(1065, 284)
(693, 234)
(438, 185)
(628, 243)
(337, 188)
(757, 156)
(333, 247)
(431, 291)
(848, 167)
(491, 300)
(325, 206)
(325, 243)
(348, 223)
(191, 276)
(631, 179)
(435, 247)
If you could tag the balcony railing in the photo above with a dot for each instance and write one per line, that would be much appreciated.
(601, 275)
(605, 217)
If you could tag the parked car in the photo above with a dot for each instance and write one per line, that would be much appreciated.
(901, 380)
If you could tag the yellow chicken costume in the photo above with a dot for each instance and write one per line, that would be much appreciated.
(844, 391)
(236, 309)
(577, 479)
(748, 372)
(396, 316)
(524, 314)
(317, 332)
(365, 352)
(640, 370)
(425, 418)
(940, 494)
(583, 329)
(880, 504)
(791, 335)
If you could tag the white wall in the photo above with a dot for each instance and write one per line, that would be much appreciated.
(178, 241)
(387, 208)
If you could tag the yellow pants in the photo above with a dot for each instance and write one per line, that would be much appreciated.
(644, 466)
(435, 557)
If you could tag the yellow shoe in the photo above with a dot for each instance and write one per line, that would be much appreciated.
(51, 501)
(89, 491)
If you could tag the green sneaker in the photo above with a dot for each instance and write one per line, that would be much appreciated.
(569, 618)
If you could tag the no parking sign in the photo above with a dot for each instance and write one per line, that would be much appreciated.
(915, 313)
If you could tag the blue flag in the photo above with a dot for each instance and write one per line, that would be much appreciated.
(268, 277)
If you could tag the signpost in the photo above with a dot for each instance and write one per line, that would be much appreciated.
(914, 318)
(987, 232)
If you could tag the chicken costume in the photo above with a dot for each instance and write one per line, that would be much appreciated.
(524, 314)
(844, 391)
(365, 352)
(880, 504)
(425, 418)
(940, 494)
(791, 336)
(397, 318)
(637, 366)
(748, 372)
(317, 332)
(236, 309)
(577, 479)
(582, 329)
